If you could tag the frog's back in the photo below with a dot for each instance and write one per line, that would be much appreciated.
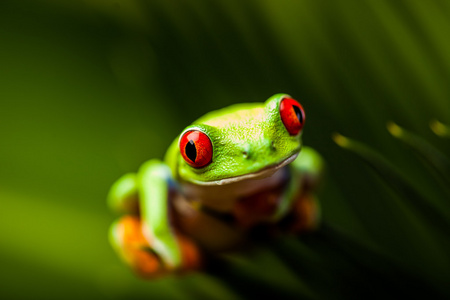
(234, 115)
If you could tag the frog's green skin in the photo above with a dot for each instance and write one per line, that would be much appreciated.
(251, 148)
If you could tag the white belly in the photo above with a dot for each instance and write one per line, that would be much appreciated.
(223, 197)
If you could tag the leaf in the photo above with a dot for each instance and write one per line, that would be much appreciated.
(388, 173)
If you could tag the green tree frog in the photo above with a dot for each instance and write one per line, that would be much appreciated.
(230, 171)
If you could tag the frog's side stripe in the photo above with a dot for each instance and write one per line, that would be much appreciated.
(153, 187)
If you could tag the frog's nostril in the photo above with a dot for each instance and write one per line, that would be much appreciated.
(246, 151)
(272, 146)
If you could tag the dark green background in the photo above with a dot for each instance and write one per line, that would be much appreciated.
(89, 90)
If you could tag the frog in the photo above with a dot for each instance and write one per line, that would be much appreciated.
(232, 170)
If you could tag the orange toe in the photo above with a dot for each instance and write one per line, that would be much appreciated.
(134, 248)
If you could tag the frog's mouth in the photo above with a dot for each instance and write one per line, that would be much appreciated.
(266, 172)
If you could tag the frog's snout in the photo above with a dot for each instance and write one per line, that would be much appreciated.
(249, 151)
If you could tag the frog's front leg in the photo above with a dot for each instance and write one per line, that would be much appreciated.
(291, 205)
(146, 239)
(300, 206)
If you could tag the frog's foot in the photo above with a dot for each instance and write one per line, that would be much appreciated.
(304, 216)
(131, 245)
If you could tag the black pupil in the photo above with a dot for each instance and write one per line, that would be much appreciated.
(298, 112)
(191, 151)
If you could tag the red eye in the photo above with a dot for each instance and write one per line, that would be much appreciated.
(292, 115)
(196, 148)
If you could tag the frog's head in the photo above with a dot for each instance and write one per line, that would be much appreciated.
(241, 141)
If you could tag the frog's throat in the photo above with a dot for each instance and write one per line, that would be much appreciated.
(259, 174)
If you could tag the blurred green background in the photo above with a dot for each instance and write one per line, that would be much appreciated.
(89, 90)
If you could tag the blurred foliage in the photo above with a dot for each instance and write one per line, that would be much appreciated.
(91, 89)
